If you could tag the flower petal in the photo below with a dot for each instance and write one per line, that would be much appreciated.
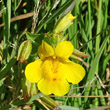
(33, 71)
(71, 17)
(44, 86)
(57, 87)
(74, 72)
(64, 49)
(61, 87)
(45, 50)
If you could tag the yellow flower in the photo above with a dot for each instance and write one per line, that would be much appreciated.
(54, 70)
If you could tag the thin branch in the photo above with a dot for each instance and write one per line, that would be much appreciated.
(18, 5)
(78, 96)
(42, 104)
(90, 86)
(101, 83)
(23, 16)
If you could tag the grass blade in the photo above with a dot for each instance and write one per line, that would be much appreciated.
(94, 66)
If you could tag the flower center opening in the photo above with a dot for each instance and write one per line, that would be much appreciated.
(52, 68)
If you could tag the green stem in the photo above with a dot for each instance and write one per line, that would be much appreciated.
(7, 31)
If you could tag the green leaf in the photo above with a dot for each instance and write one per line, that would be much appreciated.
(35, 37)
(7, 67)
(70, 8)
(31, 36)
(105, 62)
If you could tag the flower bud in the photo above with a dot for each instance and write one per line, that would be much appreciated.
(79, 53)
(64, 23)
(24, 51)
(29, 89)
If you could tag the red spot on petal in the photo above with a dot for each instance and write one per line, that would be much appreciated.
(54, 79)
